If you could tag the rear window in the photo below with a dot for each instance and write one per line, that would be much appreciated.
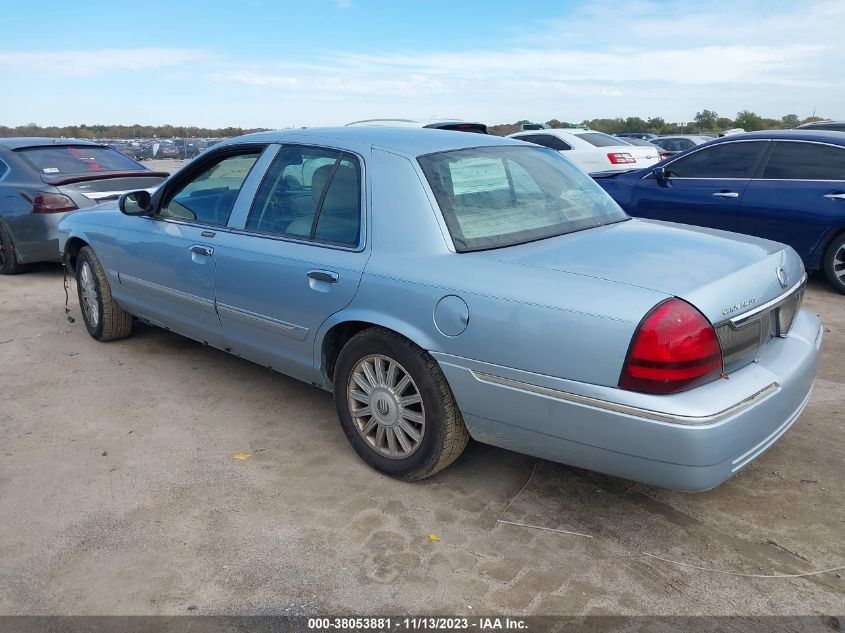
(546, 140)
(599, 140)
(57, 160)
(465, 127)
(492, 197)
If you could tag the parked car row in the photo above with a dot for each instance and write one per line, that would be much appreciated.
(147, 149)
(446, 286)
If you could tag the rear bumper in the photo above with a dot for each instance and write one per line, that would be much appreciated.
(689, 441)
(36, 236)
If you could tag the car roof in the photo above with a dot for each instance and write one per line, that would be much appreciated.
(558, 130)
(683, 136)
(411, 142)
(813, 124)
(21, 142)
(408, 122)
(828, 136)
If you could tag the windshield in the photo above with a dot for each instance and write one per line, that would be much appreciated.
(77, 159)
(500, 196)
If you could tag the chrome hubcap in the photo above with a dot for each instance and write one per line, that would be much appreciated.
(89, 295)
(386, 406)
(839, 263)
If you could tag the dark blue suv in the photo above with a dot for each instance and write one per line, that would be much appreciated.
(784, 185)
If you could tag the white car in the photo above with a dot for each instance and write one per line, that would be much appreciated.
(593, 151)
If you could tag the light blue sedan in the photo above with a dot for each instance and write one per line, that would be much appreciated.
(447, 286)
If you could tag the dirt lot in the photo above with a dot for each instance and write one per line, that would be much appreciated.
(119, 494)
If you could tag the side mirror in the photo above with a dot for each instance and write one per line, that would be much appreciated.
(660, 173)
(135, 203)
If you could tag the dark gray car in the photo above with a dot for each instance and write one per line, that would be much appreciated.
(43, 179)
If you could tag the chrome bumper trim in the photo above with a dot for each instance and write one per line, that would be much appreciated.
(627, 409)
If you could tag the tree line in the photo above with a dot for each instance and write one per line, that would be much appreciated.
(123, 131)
(704, 122)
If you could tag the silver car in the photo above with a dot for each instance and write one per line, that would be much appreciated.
(445, 285)
(42, 179)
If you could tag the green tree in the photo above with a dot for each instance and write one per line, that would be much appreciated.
(634, 124)
(706, 120)
(724, 123)
(749, 121)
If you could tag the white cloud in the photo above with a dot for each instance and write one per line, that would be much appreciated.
(92, 62)
(606, 58)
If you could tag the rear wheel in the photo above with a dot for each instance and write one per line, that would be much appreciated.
(9, 264)
(834, 263)
(104, 319)
(395, 406)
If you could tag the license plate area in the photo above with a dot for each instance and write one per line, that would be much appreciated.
(742, 338)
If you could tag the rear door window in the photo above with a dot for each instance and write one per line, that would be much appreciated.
(726, 160)
(310, 193)
(805, 161)
(59, 160)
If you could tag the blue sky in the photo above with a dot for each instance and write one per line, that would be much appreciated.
(274, 63)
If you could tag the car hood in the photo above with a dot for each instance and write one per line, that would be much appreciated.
(714, 270)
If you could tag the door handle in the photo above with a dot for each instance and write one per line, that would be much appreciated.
(199, 249)
(324, 275)
(726, 194)
(835, 196)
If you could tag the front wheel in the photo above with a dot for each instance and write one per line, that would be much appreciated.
(395, 406)
(834, 263)
(104, 319)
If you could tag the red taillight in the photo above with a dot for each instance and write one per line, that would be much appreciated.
(621, 158)
(674, 349)
(665, 155)
(50, 203)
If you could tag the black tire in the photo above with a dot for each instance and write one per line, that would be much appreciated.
(444, 436)
(112, 322)
(834, 263)
(9, 264)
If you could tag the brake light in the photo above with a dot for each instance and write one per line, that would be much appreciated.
(50, 203)
(674, 349)
(621, 158)
(665, 155)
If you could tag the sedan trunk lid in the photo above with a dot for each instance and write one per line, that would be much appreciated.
(722, 274)
(90, 189)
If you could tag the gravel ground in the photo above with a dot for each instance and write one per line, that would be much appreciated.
(120, 495)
